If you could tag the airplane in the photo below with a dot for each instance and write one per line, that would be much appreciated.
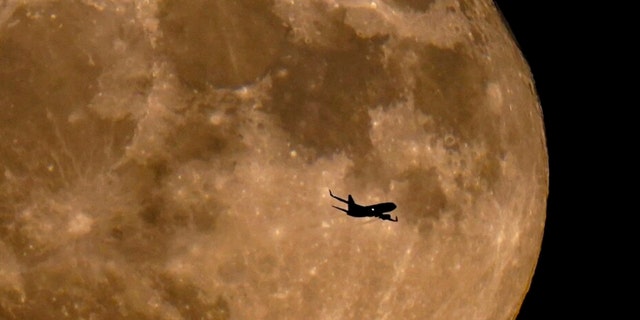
(377, 210)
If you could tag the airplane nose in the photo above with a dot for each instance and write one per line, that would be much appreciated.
(389, 206)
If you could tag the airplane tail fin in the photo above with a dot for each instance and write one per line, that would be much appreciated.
(351, 202)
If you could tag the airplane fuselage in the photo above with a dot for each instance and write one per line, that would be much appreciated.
(356, 210)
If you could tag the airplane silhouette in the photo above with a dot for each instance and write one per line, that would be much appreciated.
(358, 211)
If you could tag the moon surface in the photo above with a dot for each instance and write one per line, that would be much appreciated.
(172, 160)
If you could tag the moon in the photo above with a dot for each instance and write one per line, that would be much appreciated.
(173, 160)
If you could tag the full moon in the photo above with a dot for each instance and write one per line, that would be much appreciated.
(165, 159)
